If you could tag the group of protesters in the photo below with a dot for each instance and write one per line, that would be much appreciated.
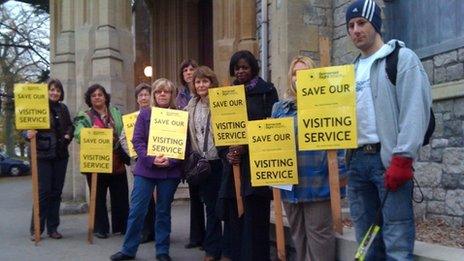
(392, 119)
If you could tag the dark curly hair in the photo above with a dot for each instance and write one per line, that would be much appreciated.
(91, 90)
(55, 82)
(248, 57)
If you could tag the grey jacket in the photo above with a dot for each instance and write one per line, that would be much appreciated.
(402, 112)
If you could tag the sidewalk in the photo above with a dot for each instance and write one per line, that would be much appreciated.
(15, 214)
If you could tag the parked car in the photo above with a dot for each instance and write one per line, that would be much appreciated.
(13, 167)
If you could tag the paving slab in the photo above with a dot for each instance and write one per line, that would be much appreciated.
(15, 214)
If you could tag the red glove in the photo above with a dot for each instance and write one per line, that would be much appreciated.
(399, 172)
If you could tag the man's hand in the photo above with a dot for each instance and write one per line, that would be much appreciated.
(399, 172)
(234, 154)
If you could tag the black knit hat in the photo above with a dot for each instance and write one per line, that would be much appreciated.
(367, 9)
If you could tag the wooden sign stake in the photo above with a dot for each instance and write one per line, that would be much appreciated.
(279, 224)
(334, 182)
(93, 200)
(35, 190)
(238, 193)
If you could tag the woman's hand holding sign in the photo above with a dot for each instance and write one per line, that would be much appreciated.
(234, 154)
(31, 134)
(161, 161)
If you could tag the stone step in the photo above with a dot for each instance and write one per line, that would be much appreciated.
(182, 192)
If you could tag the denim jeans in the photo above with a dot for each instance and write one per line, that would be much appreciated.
(365, 191)
(140, 198)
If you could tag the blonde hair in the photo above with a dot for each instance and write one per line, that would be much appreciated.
(167, 85)
(205, 72)
(290, 93)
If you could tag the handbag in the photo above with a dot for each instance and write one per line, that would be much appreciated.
(120, 159)
(197, 167)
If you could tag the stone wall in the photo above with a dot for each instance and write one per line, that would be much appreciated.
(295, 27)
(440, 167)
(445, 67)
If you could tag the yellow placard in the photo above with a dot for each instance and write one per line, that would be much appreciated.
(96, 150)
(31, 106)
(272, 148)
(168, 133)
(228, 115)
(326, 102)
(128, 121)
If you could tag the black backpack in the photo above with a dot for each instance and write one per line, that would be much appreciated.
(392, 69)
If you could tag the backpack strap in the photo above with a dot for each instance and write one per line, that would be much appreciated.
(391, 66)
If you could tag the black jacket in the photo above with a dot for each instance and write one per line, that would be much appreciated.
(51, 143)
(260, 100)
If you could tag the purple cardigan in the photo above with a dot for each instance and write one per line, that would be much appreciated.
(144, 166)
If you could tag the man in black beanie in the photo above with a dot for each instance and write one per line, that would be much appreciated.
(393, 112)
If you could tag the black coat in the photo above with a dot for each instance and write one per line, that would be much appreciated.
(260, 100)
(51, 143)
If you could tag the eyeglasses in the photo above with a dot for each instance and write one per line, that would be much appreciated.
(162, 91)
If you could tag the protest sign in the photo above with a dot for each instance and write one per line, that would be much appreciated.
(326, 102)
(32, 112)
(228, 115)
(272, 148)
(168, 133)
(128, 121)
(31, 106)
(229, 119)
(96, 150)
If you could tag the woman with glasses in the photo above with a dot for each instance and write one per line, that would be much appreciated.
(151, 172)
(142, 97)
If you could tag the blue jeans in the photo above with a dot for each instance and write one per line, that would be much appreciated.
(365, 191)
(140, 198)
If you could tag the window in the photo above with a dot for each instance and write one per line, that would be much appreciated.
(428, 27)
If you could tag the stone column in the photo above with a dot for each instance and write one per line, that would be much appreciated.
(91, 42)
(295, 28)
(234, 28)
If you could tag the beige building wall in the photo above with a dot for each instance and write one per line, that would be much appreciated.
(234, 28)
(296, 28)
(91, 42)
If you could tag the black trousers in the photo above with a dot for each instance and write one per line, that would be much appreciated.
(233, 226)
(247, 238)
(51, 180)
(119, 195)
(209, 193)
(197, 216)
(255, 235)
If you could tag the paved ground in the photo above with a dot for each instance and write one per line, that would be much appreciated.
(15, 213)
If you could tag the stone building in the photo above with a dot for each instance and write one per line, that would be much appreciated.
(111, 42)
